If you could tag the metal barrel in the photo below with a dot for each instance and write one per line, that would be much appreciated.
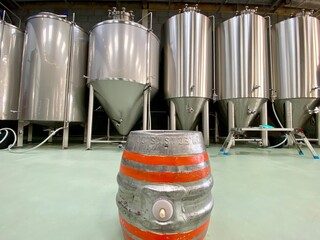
(165, 186)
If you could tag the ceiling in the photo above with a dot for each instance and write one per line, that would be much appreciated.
(280, 7)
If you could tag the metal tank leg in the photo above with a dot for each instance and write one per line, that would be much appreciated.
(85, 129)
(145, 110)
(205, 123)
(288, 117)
(65, 139)
(20, 133)
(318, 127)
(108, 129)
(30, 132)
(90, 116)
(50, 139)
(231, 120)
(264, 120)
(172, 116)
(216, 128)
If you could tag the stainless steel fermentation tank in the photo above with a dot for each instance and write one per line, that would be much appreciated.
(11, 44)
(296, 69)
(242, 69)
(123, 70)
(188, 68)
(54, 61)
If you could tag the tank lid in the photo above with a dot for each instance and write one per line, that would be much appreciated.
(247, 10)
(120, 15)
(189, 9)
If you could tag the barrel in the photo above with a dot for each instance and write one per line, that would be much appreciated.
(165, 186)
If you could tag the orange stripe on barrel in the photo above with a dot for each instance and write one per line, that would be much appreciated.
(165, 177)
(126, 236)
(166, 160)
(145, 235)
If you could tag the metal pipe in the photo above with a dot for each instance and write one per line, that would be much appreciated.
(270, 53)
(3, 15)
(65, 138)
(172, 116)
(149, 14)
(214, 95)
(19, 19)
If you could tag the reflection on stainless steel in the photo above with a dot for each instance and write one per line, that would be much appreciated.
(11, 44)
(296, 76)
(54, 62)
(242, 66)
(123, 63)
(188, 64)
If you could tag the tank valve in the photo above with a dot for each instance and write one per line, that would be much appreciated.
(251, 111)
(162, 210)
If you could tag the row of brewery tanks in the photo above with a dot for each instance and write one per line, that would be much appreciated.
(241, 64)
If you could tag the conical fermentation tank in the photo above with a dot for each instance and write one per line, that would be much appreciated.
(123, 64)
(187, 65)
(54, 62)
(242, 71)
(296, 68)
(11, 45)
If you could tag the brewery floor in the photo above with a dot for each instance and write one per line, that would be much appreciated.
(55, 194)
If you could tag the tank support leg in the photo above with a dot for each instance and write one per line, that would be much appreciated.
(20, 133)
(205, 123)
(216, 126)
(30, 132)
(264, 120)
(85, 129)
(65, 139)
(318, 127)
(231, 119)
(90, 116)
(145, 110)
(50, 139)
(288, 117)
(172, 116)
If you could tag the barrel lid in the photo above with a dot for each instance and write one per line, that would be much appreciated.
(166, 142)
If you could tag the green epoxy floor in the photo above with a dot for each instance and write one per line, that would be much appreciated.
(54, 194)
